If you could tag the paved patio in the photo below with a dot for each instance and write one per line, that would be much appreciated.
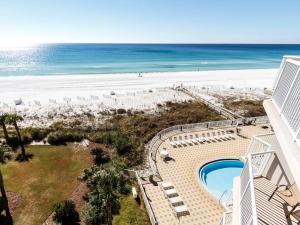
(183, 170)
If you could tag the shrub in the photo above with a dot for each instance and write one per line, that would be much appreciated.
(26, 137)
(13, 142)
(65, 213)
(58, 125)
(121, 111)
(122, 143)
(100, 156)
(62, 137)
(5, 154)
(38, 134)
(102, 137)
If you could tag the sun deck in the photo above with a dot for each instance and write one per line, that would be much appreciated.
(182, 169)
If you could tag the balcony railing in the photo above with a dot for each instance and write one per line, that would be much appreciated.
(259, 154)
(227, 218)
(286, 94)
(247, 199)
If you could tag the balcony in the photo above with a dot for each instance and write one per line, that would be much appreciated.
(261, 201)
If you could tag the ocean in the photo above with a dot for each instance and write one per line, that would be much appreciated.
(65, 59)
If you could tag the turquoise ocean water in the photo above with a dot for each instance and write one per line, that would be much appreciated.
(64, 59)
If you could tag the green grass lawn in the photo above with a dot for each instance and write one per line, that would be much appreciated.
(50, 176)
(131, 213)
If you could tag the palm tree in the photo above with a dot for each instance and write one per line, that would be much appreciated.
(106, 183)
(13, 120)
(2, 123)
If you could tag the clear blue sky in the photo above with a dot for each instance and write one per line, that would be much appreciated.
(150, 21)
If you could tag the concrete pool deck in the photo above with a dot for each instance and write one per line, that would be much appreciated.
(183, 172)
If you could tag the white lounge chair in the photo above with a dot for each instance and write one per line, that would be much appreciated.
(176, 201)
(231, 136)
(178, 143)
(194, 141)
(211, 139)
(224, 135)
(201, 140)
(205, 138)
(189, 142)
(216, 137)
(228, 135)
(164, 154)
(183, 143)
(181, 210)
(173, 144)
(171, 193)
(167, 185)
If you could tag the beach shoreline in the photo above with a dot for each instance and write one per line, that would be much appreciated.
(45, 99)
(43, 88)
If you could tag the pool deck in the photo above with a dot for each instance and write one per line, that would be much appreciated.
(183, 172)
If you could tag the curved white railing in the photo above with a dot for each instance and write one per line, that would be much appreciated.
(153, 145)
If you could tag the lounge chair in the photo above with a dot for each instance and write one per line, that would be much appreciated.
(230, 135)
(210, 138)
(164, 154)
(167, 185)
(205, 138)
(178, 143)
(173, 144)
(171, 193)
(181, 210)
(201, 140)
(194, 141)
(216, 137)
(189, 142)
(176, 201)
(224, 136)
(183, 143)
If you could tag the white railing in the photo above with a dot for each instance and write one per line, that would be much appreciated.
(247, 200)
(259, 162)
(155, 142)
(286, 94)
(227, 218)
(146, 202)
(259, 145)
(259, 154)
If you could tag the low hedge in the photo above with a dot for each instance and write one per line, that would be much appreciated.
(62, 137)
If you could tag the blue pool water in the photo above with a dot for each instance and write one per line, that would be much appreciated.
(218, 176)
(64, 59)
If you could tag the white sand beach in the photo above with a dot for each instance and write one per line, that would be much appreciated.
(43, 88)
(52, 97)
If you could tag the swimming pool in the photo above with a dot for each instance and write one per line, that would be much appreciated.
(218, 176)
